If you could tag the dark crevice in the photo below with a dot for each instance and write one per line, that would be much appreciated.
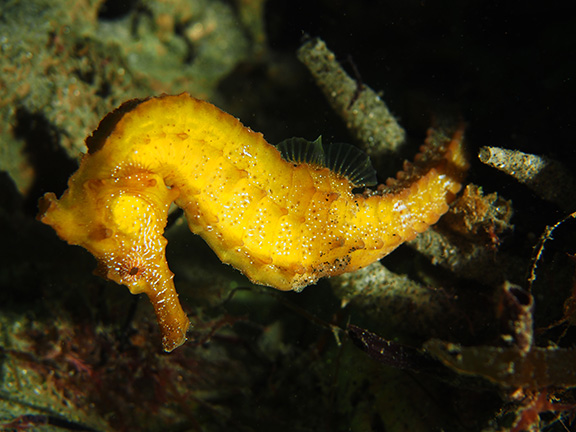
(142, 17)
(52, 166)
(116, 9)
(180, 30)
(86, 72)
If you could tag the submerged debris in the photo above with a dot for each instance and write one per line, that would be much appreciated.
(379, 292)
(547, 177)
(515, 307)
(467, 240)
(365, 114)
(539, 368)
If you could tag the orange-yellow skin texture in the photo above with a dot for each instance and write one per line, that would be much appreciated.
(282, 224)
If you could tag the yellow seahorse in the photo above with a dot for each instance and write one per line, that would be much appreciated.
(282, 222)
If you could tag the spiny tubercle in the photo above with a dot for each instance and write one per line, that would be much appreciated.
(282, 224)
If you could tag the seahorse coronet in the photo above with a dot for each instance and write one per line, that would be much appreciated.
(281, 223)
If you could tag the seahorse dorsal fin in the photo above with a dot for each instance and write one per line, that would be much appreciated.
(342, 158)
(300, 150)
(351, 162)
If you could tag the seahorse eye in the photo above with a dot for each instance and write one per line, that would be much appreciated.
(133, 271)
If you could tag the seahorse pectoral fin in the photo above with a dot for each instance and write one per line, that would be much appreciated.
(171, 318)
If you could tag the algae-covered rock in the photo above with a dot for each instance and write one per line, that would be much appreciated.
(68, 63)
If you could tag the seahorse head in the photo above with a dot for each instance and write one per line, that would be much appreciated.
(120, 221)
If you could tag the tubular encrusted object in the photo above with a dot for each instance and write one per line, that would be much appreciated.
(547, 177)
(365, 114)
(283, 222)
(509, 367)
